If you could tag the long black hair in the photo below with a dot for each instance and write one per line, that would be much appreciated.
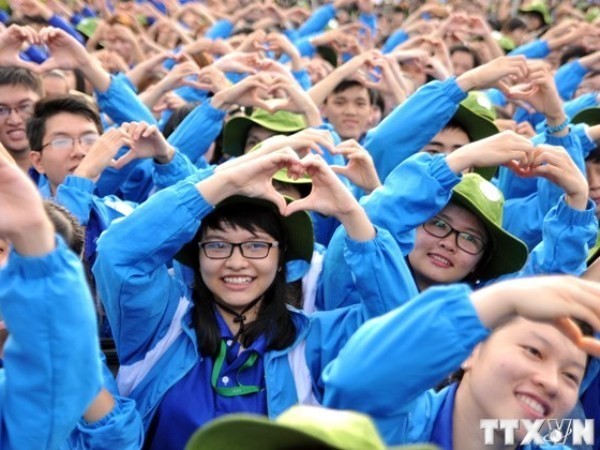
(273, 318)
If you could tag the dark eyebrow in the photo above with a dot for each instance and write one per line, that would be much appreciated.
(547, 343)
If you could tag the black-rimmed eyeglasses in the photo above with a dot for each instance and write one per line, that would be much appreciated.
(249, 249)
(467, 242)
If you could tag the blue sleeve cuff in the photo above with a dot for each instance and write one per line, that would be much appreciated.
(440, 170)
(453, 90)
(575, 217)
(79, 183)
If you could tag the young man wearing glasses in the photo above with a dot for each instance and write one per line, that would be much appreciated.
(70, 149)
(20, 89)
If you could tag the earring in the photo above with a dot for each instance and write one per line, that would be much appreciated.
(465, 366)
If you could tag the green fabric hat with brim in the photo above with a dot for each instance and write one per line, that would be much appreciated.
(236, 130)
(298, 427)
(475, 115)
(589, 116)
(506, 43)
(594, 252)
(539, 7)
(328, 54)
(507, 254)
(298, 229)
(592, 14)
(88, 26)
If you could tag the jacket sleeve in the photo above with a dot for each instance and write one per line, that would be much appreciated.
(76, 195)
(537, 49)
(427, 111)
(414, 191)
(51, 366)
(317, 21)
(139, 295)
(425, 340)
(564, 248)
(187, 139)
(568, 77)
(122, 104)
(165, 175)
(398, 37)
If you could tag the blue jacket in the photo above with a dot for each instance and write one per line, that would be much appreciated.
(149, 310)
(120, 429)
(51, 366)
(423, 350)
(427, 111)
(417, 190)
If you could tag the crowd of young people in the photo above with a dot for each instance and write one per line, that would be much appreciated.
(389, 208)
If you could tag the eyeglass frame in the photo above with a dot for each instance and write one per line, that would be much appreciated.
(270, 245)
(28, 108)
(457, 233)
(72, 139)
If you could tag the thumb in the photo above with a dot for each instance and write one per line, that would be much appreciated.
(341, 170)
(297, 205)
(124, 160)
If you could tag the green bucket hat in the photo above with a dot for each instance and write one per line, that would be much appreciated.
(298, 228)
(594, 252)
(589, 116)
(88, 26)
(236, 129)
(506, 43)
(475, 115)
(298, 427)
(508, 253)
(539, 7)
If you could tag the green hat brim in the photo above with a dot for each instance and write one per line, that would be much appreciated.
(236, 130)
(544, 14)
(593, 253)
(245, 432)
(88, 26)
(477, 128)
(298, 227)
(508, 254)
(328, 54)
(590, 116)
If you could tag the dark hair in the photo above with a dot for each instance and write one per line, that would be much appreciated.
(47, 108)
(515, 23)
(594, 156)
(273, 318)
(457, 376)
(570, 53)
(18, 76)
(469, 50)
(348, 84)
(177, 117)
(454, 125)
(66, 226)
(376, 99)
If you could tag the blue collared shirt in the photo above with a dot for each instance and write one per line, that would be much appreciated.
(192, 402)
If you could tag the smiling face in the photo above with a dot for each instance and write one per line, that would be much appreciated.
(57, 163)
(18, 101)
(349, 111)
(525, 370)
(437, 260)
(237, 281)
